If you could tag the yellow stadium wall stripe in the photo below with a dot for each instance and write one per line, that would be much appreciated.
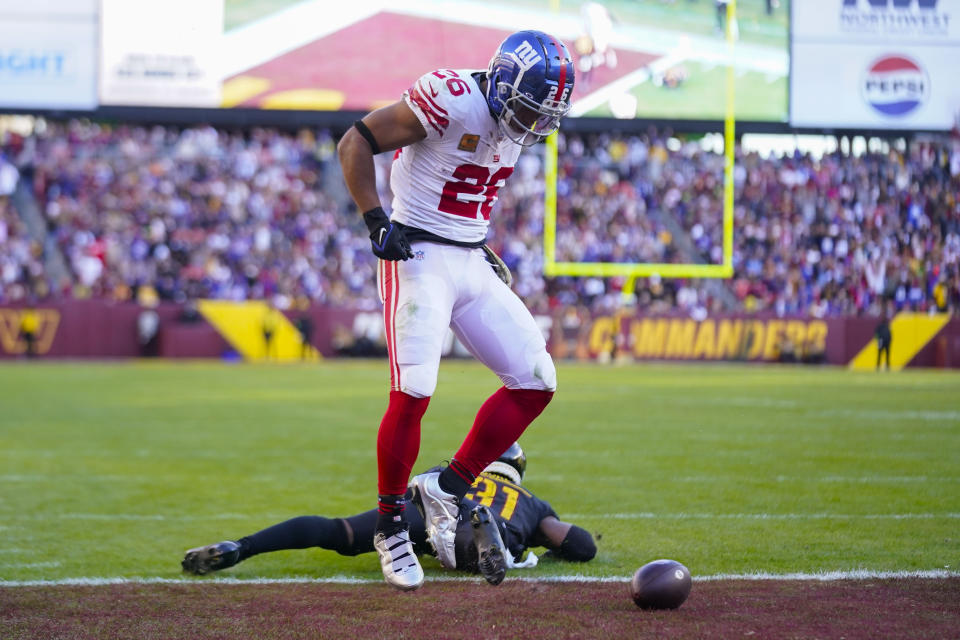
(910, 332)
(315, 99)
(242, 325)
(241, 89)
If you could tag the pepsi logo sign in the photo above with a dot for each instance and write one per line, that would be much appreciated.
(895, 85)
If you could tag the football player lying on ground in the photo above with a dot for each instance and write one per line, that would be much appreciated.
(499, 521)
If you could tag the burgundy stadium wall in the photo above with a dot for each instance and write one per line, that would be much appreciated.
(102, 329)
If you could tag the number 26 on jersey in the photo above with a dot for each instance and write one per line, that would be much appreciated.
(473, 191)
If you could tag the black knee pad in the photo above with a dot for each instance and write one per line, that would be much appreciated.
(578, 545)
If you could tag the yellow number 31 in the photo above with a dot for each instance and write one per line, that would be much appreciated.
(486, 492)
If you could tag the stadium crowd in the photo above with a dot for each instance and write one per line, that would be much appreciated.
(203, 212)
(21, 258)
(197, 213)
(20, 266)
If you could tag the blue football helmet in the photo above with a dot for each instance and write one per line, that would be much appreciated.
(529, 84)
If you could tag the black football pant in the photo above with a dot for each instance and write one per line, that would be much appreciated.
(883, 348)
(352, 536)
(347, 536)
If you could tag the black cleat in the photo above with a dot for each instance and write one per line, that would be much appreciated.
(212, 557)
(490, 547)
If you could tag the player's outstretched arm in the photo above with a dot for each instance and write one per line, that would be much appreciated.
(385, 129)
(568, 541)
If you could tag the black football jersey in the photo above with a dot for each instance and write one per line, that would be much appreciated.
(518, 512)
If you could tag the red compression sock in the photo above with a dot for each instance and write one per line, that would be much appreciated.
(499, 423)
(398, 442)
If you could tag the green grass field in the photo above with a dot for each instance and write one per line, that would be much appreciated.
(113, 469)
(703, 96)
(690, 16)
(237, 13)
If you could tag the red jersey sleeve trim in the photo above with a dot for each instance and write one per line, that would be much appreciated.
(435, 120)
(429, 96)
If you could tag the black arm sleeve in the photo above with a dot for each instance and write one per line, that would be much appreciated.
(367, 135)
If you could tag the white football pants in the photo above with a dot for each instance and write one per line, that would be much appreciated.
(448, 286)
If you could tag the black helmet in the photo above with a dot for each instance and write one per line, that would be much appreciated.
(512, 464)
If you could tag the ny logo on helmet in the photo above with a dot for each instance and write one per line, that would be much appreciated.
(526, 56)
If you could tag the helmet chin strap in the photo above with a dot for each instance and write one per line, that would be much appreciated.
(519, 136)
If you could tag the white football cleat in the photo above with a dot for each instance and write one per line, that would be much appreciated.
(401, 569)
(440, 513)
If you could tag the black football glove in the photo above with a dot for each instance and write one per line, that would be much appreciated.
(386, 238)
(498, 265)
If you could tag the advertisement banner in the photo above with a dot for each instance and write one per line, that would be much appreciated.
(102, 329)
(160, 53)
(721, 338)
(886, 87)
(885, 64)
(930, 22)
(48, 53)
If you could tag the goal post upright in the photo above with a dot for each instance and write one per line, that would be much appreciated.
(729, 140)
(631, 271)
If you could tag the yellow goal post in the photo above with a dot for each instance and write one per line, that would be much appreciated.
(644, 269)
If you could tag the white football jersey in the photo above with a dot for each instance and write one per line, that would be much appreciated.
(447, 183)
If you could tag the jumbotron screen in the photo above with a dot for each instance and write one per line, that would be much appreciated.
(633, 59)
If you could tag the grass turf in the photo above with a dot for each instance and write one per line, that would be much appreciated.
(691, 16)
(113, 469)
(703, 96)
(238, 13)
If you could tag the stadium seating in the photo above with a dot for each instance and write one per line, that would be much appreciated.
(201, 212)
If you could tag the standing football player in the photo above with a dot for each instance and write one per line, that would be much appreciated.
(459, 134)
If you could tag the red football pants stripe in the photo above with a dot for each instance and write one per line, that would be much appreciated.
(390, 292)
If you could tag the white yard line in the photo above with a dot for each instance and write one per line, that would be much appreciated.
(139, 516)
(832, 479)
(642, 515)
(879, 479)
(891, 414)
(634, 515)
(822, 576)
(830, 576)
(257, 42)
(89, 477)
(30, 565)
